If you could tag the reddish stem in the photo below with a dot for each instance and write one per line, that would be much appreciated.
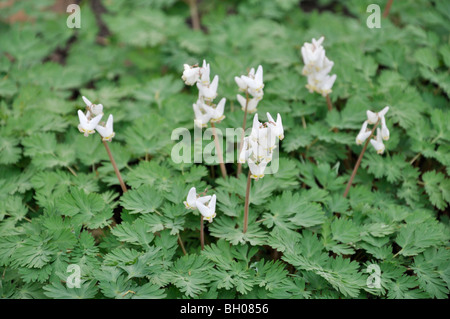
(358, 162)
(219, 151)
(202, 234)
(113, 162)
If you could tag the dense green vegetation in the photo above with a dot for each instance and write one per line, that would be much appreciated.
(61, 203)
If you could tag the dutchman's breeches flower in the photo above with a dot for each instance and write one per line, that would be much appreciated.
(208, 212)
(87, 125)
(317, 67)
(193, 199)
(106, 131)
(382, 134)
(377, 143)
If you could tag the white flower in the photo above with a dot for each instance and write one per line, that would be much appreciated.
(254, 83)
(205, 71)
(317, 66)
(241, 83)
(87, 125)
(372, 117)
(190, 74)
(217, 112)
(201, 118)
(208, 212)
(384, 129)
(257, 170)
(252, 103)
(106, 131)
(363, 134)
(378, 142)
(95, 109)
(313, 52)
(246, 151)
(277, 127)
(209, 92)
(193, 199)
(320, 83)
(255, 128)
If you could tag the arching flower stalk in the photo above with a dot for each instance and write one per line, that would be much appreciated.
(257, 151)
(205, 110)
(252, 84)
(366, 135)
(89, 124)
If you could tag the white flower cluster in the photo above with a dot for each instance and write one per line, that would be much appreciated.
(194, 201)
(89, 121)
(258, 148)
(317, 66)
(251, 84)
(382, 134)
(204, 110)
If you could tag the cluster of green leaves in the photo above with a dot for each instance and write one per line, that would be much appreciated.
(60, 203)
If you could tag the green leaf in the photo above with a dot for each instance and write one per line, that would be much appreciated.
(437, 188)
(9, 150)
(143, 200)
(57, 290)
(88, 209)
(191, 274)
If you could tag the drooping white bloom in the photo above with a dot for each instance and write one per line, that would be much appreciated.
(87, 125)
(277, 127)
(95, 109)
(217, 112)
(313, 53)
(254, 83)
(373, 117)
(209, 92)
(241, 83)
(378, 142)
(205, 71)
(208, 212)
(193, 199)
(257, 170)
(320, 83)
(246, 151)
(252, 103)
(383, 112)
(202, 114)
(363, 134)
(258, 148)
(317, 66)
(106, 131)
(191, 74)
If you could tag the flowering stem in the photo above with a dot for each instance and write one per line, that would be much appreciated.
(358, 162)
(181, 244)
(194, 14)
(247, 201)
(219, 151)
(113, 162)
(329, 104)
(388, 7)
(202, 234)
(239, 167)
